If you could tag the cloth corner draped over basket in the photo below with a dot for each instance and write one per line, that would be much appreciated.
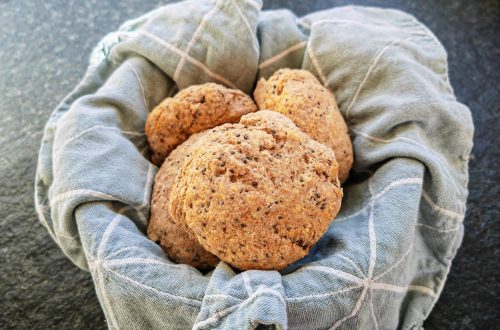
(385, 258)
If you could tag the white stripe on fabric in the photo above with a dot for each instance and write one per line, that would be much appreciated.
(352, 263)
(371, 233)
(401, 289)
(139, 81)
(347, 21)
(103, 196)
(142, 217)
(107, 233)
(83, 192)
(369, 72)
(393, 184)
(437, 229)
(98, 264)
(372, 311)
(446, 77)
(407, 181)
(193, 40)
(401, 138)
(372, 240)
(129, 248)
(281, 55)
(341, 21)
(315, 63)
(396, 264)
(361, 210)
(191, 302)
(147, 261)
(426, 197)
(58, 234)
(108, 308)
(40, 209)
(249, 28)
(376, 139)
(82, 133)
(336, 272)
(189, 58)
(441, 210)
(321, 295)
(221, 314)
(354, 311)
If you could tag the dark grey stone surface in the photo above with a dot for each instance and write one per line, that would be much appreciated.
(44, 48)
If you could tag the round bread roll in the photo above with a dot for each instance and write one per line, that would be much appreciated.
(298, 95)
(257, 194)
(193, 110)
(180, 245)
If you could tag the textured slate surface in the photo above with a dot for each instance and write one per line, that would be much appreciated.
(44, 48)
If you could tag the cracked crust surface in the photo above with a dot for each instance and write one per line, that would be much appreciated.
(298, 95)
(257, 194)
(193, 110)
(180, 245)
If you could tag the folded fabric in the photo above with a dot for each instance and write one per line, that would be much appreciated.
(384, 260)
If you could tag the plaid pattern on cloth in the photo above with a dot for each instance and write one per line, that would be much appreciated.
(383, 262)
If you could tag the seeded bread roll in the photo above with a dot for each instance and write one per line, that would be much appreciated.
(193, 110)
(180, 245)
(298, 95)
(257, 194)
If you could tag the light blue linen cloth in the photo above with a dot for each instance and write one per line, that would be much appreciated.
(384, 260)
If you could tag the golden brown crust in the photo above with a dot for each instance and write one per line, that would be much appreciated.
(258, 194)
(298, 95)
(193, 110)
(180, 246)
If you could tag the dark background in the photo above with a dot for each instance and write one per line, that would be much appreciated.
(44, 49)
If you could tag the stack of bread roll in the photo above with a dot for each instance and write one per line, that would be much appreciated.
(255, 185)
